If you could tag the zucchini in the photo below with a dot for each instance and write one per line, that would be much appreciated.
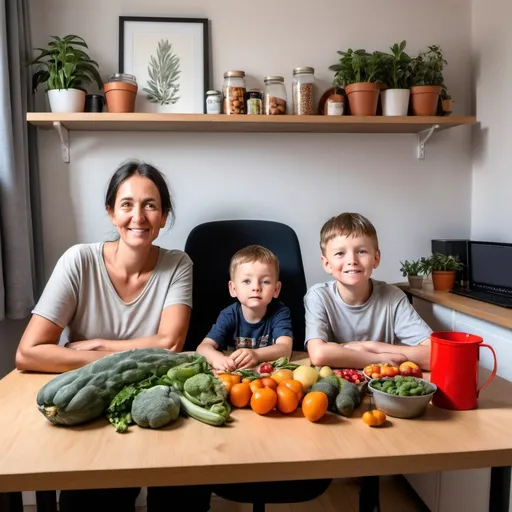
(200, 413)
(84, 394)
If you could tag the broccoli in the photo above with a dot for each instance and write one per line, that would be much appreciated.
(205, 390)
(155, 407)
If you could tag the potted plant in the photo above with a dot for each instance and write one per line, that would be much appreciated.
(413, 270)
(426, 79)
(446, 101)
(65, 68)
(443, 268)
(395, 100)
(359, 73)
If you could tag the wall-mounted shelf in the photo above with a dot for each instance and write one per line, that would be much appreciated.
(422, 126)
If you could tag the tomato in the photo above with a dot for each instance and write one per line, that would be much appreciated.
(295, 386)
(287, 400)
(314, 405)
(225, 378)
(374, 418)
(388, 370)
(256, 384)
(266, 368)
(281, 375)
(263, 400)
(240, 394)
(269, 383)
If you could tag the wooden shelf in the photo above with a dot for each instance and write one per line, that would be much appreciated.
(244, 123)
(483, 310)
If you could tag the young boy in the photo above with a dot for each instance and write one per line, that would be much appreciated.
(355, 308)
(256, 327)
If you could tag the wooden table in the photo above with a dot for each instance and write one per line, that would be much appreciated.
(36, 455)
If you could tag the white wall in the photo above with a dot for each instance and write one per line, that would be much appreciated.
(299, 179)
(492, 179)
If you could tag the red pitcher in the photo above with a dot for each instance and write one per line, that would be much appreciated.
(454, 366)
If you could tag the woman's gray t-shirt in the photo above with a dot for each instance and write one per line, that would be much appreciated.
(386, 316)
(81, 296)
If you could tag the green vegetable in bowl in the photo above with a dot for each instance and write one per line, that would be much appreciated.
(402, 386)
(155, 407)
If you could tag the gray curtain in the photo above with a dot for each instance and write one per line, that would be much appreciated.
(20, 230)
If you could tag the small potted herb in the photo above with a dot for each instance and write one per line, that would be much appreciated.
(65, 68)
(413, 271)
(426, 79)
(443, 268)
(360, 74)
(395, 99)
(446, 101)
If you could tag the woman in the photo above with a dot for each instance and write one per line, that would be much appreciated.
(115, 296)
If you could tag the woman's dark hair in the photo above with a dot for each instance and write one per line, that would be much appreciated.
(131, 168)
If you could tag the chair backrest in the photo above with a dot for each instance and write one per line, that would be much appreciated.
(211, 246)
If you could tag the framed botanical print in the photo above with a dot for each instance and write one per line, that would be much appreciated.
(169, 58)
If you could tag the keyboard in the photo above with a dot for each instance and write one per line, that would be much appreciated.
(491, 298)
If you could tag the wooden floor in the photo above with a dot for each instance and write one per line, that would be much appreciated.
(342, 495)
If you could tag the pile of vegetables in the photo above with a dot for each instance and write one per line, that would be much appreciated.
(148, 387)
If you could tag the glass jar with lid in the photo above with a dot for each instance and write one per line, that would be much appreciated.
(274, 101)
(213, 102)
(234, 92)
(302, 90)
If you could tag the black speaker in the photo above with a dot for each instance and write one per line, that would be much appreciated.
(457, 248)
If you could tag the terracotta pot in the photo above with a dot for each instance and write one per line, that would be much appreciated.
(443, 280)
(415, 282)
(424, 99)
(120, 96)
(363, 98)
(447, 106)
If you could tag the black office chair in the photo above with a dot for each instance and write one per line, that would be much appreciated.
(211, 246)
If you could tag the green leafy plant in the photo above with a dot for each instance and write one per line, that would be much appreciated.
(427, 67)
(397, 67)
(164, 73)
(442, 262)
(444, 92)
(356, 66)
(64, 66)
(414, 268)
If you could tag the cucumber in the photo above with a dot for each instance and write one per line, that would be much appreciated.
(200, 413)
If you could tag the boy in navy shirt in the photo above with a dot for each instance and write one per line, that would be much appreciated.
(258, 327)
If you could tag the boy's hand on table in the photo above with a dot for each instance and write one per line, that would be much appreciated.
(222, 362)
(244, 358)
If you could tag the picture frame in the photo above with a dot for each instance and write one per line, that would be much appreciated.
(170, 59)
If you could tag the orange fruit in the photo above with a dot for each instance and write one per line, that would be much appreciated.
(236, 378)
(295, 386)
(314, 405)
(247, 380)
(225, 378)
(287, 400)
(256, 384)
(374, 418)
(269, 383)
(281, 375)
(240, 394)
(263, 400)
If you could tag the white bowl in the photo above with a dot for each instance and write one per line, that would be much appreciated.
(402, 406)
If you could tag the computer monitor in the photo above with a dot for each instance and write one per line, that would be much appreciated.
(490, 267)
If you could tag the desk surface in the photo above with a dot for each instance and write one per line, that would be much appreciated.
(36, 455)
(477, 308)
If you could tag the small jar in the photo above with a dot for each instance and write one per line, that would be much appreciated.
(213, 102)
(302, 90)
(234, 92)
(335, 105)
(274, 102)
(254, 102)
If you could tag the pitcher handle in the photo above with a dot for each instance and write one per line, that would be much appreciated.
(493, 374)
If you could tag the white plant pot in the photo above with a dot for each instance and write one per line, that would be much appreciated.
(66, 100)
(395, 102)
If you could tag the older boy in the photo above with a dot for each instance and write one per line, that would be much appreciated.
(355, 308)
(256, 327)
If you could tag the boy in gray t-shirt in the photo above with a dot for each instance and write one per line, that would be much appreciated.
(355, 308)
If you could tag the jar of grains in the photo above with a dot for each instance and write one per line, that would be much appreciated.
(302, 90)
(234, 92)
(274, 102)
(213, 102)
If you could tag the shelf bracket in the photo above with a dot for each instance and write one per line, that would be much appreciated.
(423, 137)
(64, 140)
